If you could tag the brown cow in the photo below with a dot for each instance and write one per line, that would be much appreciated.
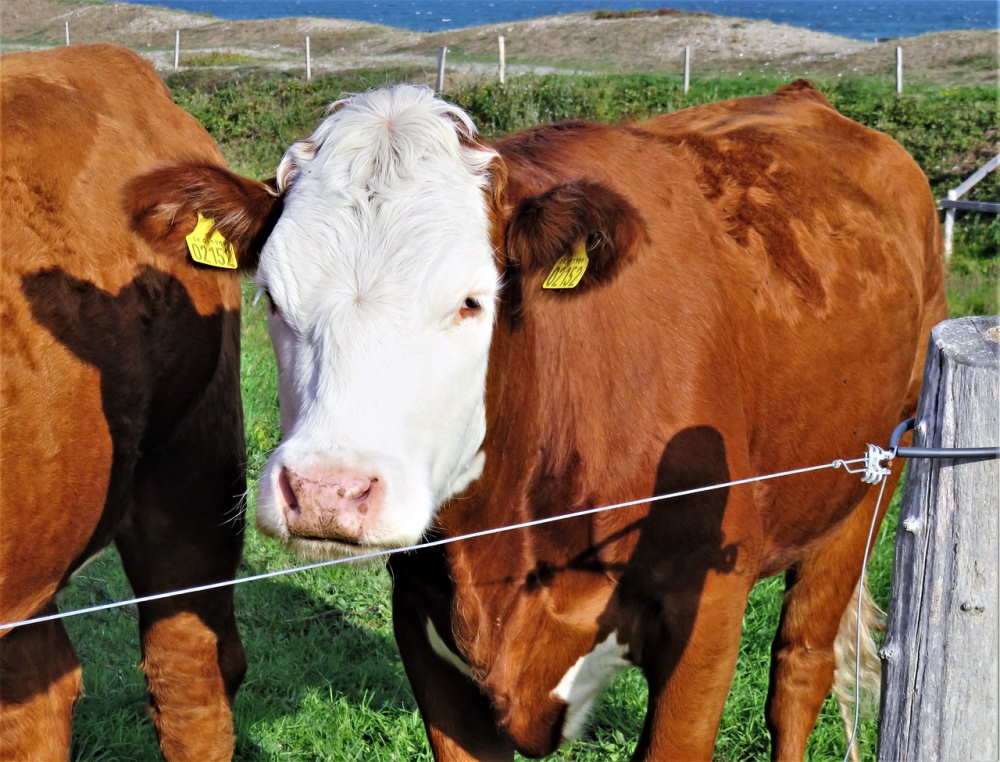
(121, 417)
(761, 276)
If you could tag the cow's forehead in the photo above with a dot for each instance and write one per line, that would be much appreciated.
(384, 199)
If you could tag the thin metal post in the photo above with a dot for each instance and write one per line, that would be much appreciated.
(899, 70)
(177, 50)
(441, 59)
(309, 73)
(949, 226)
(687, 68)
(503, 59)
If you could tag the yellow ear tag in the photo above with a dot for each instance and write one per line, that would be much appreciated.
(213, 250)
(568, 270)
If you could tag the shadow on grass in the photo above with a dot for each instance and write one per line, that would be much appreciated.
(308, 659)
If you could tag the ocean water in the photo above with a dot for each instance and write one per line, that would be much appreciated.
(860, 19)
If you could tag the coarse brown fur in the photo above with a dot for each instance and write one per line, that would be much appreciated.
(766, 308)
(122, 419)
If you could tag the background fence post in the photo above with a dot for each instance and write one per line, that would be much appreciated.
(440, 80)
(940, 676)
(949, 226)
(899, 70)
(67, 32)
(687, 68)
(309, 71)
(503, 59)
(177, 50)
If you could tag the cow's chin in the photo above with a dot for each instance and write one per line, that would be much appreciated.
(318, 549)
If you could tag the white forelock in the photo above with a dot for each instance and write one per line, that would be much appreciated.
(371, 140)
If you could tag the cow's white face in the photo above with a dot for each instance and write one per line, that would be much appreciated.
(383, 284)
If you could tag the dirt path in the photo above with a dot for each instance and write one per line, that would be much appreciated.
(574, 42)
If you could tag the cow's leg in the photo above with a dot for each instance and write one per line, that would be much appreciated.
(819, 590)
(459, 719)
(40, 681)
(180, 536)
(689, 667)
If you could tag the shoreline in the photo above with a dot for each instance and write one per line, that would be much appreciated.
(569, 43)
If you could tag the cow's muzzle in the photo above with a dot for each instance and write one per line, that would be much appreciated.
(325, 504)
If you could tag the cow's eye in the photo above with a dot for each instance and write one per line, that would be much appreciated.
(470, 307)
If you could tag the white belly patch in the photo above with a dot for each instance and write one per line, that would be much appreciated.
(584, 681)
(439, 647)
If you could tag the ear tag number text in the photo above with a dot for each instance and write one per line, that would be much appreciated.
(212, 250)
(568, 270)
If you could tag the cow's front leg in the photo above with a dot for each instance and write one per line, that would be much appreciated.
(681, 599)
(180, 536)
(689, 668)
(40, 681)
(460, 722)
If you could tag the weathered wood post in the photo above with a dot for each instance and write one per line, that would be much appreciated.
(442, 55)
(940, 676)
(309, 63)
(67, 31)
(177, 50)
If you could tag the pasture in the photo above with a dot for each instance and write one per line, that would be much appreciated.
(325, 680)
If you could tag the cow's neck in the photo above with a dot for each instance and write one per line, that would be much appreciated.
(526, 603)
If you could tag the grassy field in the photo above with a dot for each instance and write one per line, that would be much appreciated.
(325, 680)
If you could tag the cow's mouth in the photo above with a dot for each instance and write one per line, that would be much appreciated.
(317, 538)
(328, 548)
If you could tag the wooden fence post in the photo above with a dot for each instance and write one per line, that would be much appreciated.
(503, 58)
(440, 80)
(940, 676)
(67, 32)
(177, 50)
(309, 69)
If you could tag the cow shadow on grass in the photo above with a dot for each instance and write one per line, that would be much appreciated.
(308, 659)
(318, 661)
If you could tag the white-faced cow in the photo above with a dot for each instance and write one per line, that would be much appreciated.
(121, 416)
(754, 284)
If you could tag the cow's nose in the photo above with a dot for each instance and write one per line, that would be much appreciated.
(330, 504)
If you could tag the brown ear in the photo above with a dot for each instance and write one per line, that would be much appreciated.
(544, 228)
(163, 207)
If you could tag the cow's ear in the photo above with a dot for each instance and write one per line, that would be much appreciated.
(163, 207)
(544, 228)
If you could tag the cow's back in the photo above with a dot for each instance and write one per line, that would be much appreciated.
(838, 254)
(108, 348)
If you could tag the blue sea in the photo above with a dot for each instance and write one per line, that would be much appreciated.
(861, 19)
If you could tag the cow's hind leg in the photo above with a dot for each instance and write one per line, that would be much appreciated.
(40, 681)
(819, 590)
(180, 536)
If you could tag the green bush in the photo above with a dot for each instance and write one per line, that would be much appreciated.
(216, 58)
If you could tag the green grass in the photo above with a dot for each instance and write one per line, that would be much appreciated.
(325, 680)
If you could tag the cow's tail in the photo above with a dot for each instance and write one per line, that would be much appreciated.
(854, 668)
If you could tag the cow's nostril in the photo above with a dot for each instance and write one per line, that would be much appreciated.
(287, 493)
(358, 491)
